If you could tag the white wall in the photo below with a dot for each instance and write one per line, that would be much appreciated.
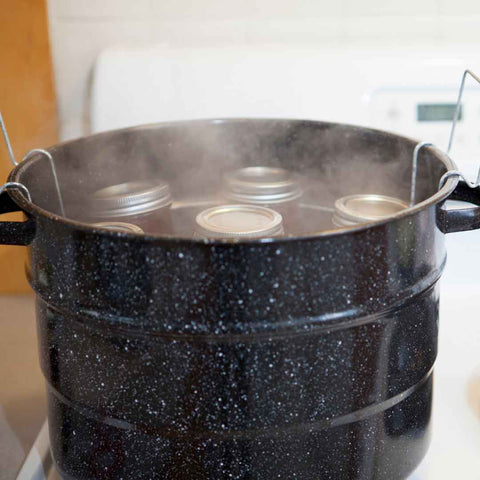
(80, 29)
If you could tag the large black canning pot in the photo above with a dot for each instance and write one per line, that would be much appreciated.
(307, 357)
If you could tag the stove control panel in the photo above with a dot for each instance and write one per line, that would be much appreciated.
(426, 114)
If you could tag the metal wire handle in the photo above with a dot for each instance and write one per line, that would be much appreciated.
(7, 141)
(413, 183)
(451, 173)
(458, 106)
(458, 173)
(28, 155)
(19, 186)
(54, 172)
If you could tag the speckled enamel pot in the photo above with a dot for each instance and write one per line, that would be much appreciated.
(295, 358)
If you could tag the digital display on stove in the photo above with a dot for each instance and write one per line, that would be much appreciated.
(437, 112)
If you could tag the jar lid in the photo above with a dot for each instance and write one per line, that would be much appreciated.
(131, 198)
(118, 226)
(263, 185)
(354, 209)
(238, 221)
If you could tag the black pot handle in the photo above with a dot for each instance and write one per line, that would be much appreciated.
(14, 233)
(464, 219)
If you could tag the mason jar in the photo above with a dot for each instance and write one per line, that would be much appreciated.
(361, 208)
(272, 187)
(144, 203)
(118, 227)
(238, 221)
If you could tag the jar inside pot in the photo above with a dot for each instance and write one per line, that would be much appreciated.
(238, 221)
(356, 209)
(272, 187)
(145, 204)
(118, 227)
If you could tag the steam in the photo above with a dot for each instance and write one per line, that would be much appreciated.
(332, 160)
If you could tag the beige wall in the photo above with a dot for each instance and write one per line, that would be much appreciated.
(81, 29)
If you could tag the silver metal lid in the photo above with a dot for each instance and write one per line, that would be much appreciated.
(239, 221)
(355, 209)
(118, 226)
(131, 198)
(262, 185)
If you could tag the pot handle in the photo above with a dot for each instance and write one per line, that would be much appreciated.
(461, 220)
(14, 233)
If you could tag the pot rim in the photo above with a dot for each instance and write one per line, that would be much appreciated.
(34, 210)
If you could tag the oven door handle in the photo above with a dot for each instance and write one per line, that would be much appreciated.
(14, 233)
(464, 219)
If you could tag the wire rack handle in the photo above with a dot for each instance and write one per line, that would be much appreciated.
(7, 141)
(420, 146)
(456, 115)
(54, 173)
(28, 155)
(18, 186)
